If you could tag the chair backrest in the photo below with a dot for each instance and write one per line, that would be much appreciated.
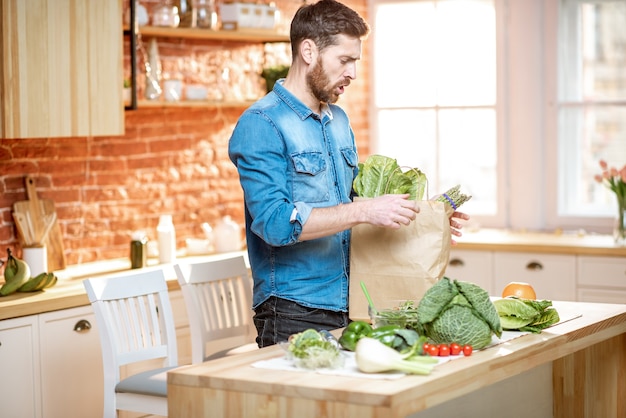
(218, 297)
(135, 321)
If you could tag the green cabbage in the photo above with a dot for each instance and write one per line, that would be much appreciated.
(461, 312)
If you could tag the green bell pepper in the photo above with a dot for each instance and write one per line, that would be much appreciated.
(388, 335)
(353, 333)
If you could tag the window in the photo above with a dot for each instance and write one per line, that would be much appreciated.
(591, 103)
(435, 95)
(516, 101)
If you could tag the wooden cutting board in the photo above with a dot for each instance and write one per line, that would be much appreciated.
(38, 211)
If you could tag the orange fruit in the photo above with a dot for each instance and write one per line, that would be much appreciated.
(519, 289)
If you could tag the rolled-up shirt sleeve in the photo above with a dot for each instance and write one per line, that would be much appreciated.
(258, 151)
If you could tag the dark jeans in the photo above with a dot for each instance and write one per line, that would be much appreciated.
(276, 319)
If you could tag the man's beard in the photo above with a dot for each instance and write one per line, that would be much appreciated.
(317, 81)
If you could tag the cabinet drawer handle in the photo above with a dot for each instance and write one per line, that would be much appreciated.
(82, 326)
(534, 266)
(456, 262)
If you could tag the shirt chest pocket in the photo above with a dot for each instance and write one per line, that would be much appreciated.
(310, 177)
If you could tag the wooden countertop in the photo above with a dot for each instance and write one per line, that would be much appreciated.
(69, 291)
(234, 385)
(554, 243)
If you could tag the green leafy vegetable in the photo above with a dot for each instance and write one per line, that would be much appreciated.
(461, 312)
(526, 314)
(312, 350)
(404, 315)
(380, 175)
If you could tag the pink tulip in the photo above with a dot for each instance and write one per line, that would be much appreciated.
(614, 179)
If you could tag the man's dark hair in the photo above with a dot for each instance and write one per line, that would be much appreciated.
(322, 21)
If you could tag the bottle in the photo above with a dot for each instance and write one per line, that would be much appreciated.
(138, 250)
(153, 88)
(184, 10)
(167, 239)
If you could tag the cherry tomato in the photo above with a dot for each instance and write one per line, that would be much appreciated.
(455, 349)
(444, 350)
(433, 350)
(467, 350)
(425, 347)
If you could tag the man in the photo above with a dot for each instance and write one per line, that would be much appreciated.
(296, 156)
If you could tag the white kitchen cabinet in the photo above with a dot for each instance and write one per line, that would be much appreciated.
(583, 278)
(62, 69)
(601, 279)
(601, 296)
(20, 387)
(472, 266)
(71, 364)
(553, 276)
(51, 365)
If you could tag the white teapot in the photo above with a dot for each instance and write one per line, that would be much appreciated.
(227, 236)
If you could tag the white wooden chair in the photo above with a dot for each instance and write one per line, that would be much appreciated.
(218, 297)
(136, 325)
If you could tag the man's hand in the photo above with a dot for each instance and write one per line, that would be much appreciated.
(455, 226)
(390, 210)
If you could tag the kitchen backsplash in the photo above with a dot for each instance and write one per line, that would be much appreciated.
(171, 160)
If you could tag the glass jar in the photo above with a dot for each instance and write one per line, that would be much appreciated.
(138, 250)
(203, 14)
(166, 14)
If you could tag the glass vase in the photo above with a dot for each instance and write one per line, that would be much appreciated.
(619, 231)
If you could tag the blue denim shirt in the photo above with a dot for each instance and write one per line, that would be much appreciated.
(291, 161)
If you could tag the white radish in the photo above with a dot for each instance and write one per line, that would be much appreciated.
(372, 356)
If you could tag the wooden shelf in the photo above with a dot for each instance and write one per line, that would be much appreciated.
(239, 35)
(193, 103)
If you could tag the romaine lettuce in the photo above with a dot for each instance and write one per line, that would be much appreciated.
(526, 314)
(380, 175)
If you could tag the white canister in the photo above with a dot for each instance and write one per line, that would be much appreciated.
(36, 258)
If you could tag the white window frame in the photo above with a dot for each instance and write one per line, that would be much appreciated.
(527, 135)
(554, 220)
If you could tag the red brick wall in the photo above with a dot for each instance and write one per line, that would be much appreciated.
(170, 160)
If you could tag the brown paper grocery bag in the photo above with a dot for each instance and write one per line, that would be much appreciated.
(399, 264)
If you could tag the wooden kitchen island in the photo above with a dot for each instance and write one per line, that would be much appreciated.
(585, 357)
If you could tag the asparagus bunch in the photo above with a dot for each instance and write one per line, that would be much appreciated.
(454, 197)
